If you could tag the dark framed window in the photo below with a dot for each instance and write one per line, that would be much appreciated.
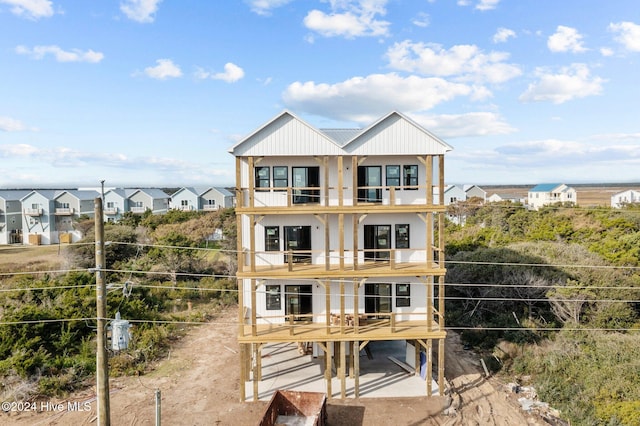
(403, 295)
(262, 178)
(280, 177)
(392, 174)
(274, 300)
(377, 242)
(410, 177)
(272, 238)
(402, 236)
(304, 180)
(377, 298)
(369, 184)
(297, 241)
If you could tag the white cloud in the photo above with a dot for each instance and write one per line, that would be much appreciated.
(566, 39)
(349, 19)
(503, 34)
(421, 20)
(605, 51)
(231, 74)
(8, 124)
(570, 83)
(140, 10)
(32, 9)
(73, 55)
(164, 70)
(465, 62)
(264, 7)
(487, 4)
(481, 5)
(464, 125)
(371, 96)
(627, 34)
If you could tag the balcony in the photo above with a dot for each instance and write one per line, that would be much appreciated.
(64, 211)
(111, 211)
(210, 207)
(138, 209)
(33, 212)
(315, 263)
(272, 200)
(348, 327)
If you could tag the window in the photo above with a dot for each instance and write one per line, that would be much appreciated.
(377, 238)
(410, 177)
(211, 203)
(369, 184)
(273, 297)
(403, 295)
(272, 238)
(393, 176)
(402, 236)
(184, 203)
(297, 239)
(111, 205)
(304, 180)
(262, 178)
(280, 177)
(377, 298)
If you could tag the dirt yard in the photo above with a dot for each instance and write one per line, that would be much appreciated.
(199, 384)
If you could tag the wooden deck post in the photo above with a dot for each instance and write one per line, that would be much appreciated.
(356, 367)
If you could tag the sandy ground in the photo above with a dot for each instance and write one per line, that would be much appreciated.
(199, 385)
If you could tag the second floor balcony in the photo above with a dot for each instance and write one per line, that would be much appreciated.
(33, 211)
(64, 211)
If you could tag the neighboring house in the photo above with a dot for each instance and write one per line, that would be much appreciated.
(155, 200)
(550, 193)
(49, 215)
(629, 196)
(201, 199)
(336, 244)
(512, 198)
(11, 216)
(474, 191)
(69, 205)
(453, 194)
(118, 201)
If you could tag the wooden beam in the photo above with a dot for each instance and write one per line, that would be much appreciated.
(342, 325)
(441, 366)
(254, 325)
(327, 369)
(243, 372)
(250, 185)
(252, 243)
(429, 180)
(429, 375)
(341, 240)
(355, 242)
(327, 243)
(240, 284)
(340, 180)
(327, 306)
(356, 308)
(255, 372)
(239, 193)
(343, 375)
(356, 367)
(325, 162)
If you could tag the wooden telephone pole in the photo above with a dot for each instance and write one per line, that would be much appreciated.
(102, 361)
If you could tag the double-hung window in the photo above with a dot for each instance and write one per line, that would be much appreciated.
(402, 236)
(393, 176)
(280, 177)
(262, 178)
(274, 300)
(272, 238)
(410, 176)
(403, 295)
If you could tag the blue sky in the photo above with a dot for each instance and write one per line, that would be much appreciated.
(154, 92)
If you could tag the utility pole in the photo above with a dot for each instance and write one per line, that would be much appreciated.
(102, 362)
